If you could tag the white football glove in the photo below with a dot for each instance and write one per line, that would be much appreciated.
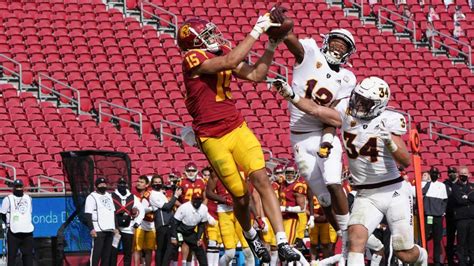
(282, 208)
(285, 90)
(263, 24)
(386, 136)
(310, 223)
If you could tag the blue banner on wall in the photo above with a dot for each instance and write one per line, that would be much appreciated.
(49, 213)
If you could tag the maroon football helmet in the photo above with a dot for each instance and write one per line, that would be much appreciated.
(196, 33)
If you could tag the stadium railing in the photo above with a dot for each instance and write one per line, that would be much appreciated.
(10, 68)
(53, 180)
(103, 113)
(174, 136)
(433, 124)
(145, 14)
(405, 20)
(74, 101)
(8, 179)
(434, 42)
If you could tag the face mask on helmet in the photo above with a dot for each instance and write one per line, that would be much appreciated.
(291, 175)
(191, 172)
(336, 56)
(369, 99)
(210, 37)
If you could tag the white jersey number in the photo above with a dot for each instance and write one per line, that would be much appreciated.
(368, 149)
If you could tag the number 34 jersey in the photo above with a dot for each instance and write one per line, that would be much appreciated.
(370, 162)
(208, 98)
(313, 78)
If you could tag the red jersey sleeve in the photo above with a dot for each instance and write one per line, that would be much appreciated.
(193, 58)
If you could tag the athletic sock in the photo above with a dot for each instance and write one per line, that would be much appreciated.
(281, 238)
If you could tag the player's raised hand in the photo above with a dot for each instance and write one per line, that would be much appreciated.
(263, 24)
(285, 90)
(324, 149)
(277, 13)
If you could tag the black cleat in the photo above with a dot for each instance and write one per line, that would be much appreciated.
(286, 253)
(258, 249)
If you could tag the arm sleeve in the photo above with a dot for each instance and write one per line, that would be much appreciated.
(309, 46)
(88, 218)
(180, 213)
(396, 123)
(348, 83)
(343, 108)
(90, 205)
(193, 59)
(174, 226)
(168, 206)
(200, 231)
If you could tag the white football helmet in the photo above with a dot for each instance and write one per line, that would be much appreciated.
(369, 98)
(332, 57)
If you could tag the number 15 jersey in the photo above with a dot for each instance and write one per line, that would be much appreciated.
(370, 162)
(208, 98)
(313, 78)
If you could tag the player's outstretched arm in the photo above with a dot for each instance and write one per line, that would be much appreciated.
(259, 70)
(295, 47)
(327, 115)
(232, 60)
(401, 154)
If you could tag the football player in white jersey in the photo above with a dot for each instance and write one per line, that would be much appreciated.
(318, 75)
(372, 138)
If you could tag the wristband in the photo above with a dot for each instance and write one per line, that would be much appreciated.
(295, 99)
(391, 146)
(255, 34)
(328, 137)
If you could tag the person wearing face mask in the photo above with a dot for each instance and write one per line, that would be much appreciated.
(144, 237)
(450, 221)
(128, 215)
(435, 199)
(187, 226)
(16, 212)
(99, 212)
(163, 208)
(464, 215)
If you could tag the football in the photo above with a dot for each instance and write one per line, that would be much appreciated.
(280, 32)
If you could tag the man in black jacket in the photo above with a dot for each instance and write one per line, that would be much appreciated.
(450, 221)
(163, 213)
(464, 215)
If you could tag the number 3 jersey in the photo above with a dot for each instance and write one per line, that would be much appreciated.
(313, 78)
(208, 98)
(370, 162)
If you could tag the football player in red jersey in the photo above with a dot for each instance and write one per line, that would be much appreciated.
(221, 132)
(190, 185)
(292, 200)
